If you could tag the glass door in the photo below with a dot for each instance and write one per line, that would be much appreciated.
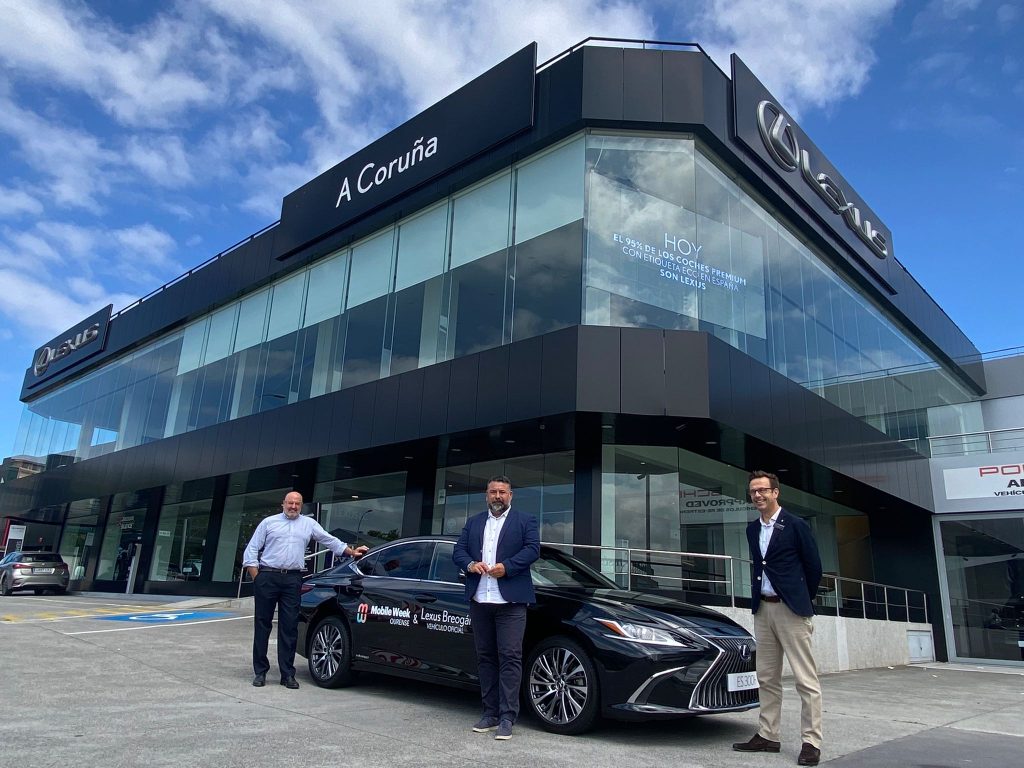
(983, 562)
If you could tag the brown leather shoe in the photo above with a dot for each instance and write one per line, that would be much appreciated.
(808, 755)
(757, 744)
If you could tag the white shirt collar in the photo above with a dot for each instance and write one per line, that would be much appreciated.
(772, 520)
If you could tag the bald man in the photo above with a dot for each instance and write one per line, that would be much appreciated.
(274, 558)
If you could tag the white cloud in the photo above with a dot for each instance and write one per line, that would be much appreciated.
(25, 294)
(135, 76)
(808, 53)
(15, 202)
(71, 160)
(161, 159)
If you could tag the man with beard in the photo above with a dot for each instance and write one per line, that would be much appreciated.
(495, 550)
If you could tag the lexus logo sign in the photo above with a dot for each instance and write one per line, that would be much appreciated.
(780, 139)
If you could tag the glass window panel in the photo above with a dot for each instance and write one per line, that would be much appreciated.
(480, 220)
(417, 333)
(364, 343)
(192, 346)
(477, 305)
(326, 289)
(286, 306)
(221, 338)
(242, 513)
(549, 282)
(422, 247)
(549, 191)
(371, 268)
(180, 541)
(252, 320)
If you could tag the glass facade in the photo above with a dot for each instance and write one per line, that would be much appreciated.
(619, 230)
(542, 485)
(671, 500)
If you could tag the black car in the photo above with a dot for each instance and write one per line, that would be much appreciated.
(590, 648)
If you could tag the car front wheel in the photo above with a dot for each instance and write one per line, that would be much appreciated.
(330, 654)
(560, 686)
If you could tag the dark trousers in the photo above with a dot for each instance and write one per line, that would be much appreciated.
(280, 590)
(498, 633)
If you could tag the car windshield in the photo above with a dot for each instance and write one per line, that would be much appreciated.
(557, 569)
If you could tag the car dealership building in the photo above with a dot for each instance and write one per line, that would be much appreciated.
(623, 279)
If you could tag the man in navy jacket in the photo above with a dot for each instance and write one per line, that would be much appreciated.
(495, 550)
(784, 574)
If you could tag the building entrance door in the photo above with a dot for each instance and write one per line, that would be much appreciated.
(983, 559)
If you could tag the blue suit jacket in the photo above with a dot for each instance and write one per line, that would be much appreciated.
(518, 546)
(792, 563)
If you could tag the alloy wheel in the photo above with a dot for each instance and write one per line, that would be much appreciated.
(327, 651)
(558, 685)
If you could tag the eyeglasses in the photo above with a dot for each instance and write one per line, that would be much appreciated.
(760, 491)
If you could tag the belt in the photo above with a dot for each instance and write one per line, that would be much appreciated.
(771, 598)
(279, 570)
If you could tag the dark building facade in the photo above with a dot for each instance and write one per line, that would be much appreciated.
(623, 279)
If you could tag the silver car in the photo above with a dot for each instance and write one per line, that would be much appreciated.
(39, 571)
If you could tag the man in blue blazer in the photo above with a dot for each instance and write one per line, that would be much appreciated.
(495, 550)
(784, 575)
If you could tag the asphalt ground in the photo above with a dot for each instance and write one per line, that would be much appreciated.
(107, 680)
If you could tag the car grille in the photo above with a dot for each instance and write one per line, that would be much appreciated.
(712, 692)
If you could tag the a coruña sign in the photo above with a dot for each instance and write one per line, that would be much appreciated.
(74, 345)
(482, 114)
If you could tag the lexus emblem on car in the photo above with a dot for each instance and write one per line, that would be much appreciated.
(745, 652)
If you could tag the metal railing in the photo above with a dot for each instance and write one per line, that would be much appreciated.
(988, 441)
(245, 571)
(722, 579)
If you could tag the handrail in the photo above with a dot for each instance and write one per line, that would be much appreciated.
(195, 269)
(642, 43)
(244, 570)
(866, 590)
(861, 587)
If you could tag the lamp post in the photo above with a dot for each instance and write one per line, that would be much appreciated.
(359, 525)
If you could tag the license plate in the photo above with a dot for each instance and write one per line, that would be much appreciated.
(742, 681)
(42, 570)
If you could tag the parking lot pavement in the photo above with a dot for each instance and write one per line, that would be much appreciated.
(90, 691)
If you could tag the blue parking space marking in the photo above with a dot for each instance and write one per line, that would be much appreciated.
(166, 617)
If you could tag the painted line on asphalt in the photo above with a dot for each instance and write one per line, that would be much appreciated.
(156, 626)
(95, 613)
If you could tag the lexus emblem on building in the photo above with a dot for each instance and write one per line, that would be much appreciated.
(779, 138)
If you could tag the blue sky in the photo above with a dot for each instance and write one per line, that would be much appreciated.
(137, 139)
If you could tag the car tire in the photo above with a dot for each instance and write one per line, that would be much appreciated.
(330, 654)
(5, 588)
(560, 686)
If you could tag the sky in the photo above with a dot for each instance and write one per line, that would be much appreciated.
(138, 138)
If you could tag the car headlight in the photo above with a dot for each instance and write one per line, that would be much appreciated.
(642, 633)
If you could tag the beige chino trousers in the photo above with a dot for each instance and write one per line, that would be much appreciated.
(779, 631)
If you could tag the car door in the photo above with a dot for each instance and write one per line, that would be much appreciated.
(441, 620)
(382, 630)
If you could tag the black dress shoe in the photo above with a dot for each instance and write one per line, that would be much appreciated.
(757, 744)
(289, 682)
(259, 681)
(808, 755)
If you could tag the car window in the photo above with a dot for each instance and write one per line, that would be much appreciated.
(555, 568)
(441, 566)
(41, 557)
(400, 561)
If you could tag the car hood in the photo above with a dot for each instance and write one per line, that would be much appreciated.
(642, 606)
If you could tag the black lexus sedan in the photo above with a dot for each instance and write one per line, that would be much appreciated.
(591, 649)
